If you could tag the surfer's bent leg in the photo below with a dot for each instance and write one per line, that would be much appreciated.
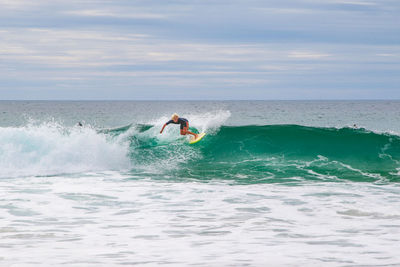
(185, 130)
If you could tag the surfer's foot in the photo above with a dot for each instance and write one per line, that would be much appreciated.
(195, 136)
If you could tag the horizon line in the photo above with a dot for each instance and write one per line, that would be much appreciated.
(194, 100)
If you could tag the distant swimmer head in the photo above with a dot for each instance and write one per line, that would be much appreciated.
(174, 117)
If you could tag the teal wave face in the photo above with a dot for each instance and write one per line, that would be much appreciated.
(272, 153)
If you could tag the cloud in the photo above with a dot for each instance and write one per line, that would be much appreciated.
(257, 48)
(285, 10)
(389, 55)
(354, 2)
(307, 55)
(116, 14)
(17, 4)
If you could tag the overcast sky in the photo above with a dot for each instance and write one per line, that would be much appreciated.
(199, 49)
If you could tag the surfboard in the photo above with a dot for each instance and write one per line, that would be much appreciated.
(195, 140)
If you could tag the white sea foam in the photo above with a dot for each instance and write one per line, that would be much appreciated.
(209, 121)
(107, 220)
(50, 148)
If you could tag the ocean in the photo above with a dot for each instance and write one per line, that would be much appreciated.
(273, 183)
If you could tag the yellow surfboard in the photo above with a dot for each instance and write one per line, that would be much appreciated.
(195, 140)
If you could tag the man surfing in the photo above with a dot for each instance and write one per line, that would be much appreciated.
(183, 122)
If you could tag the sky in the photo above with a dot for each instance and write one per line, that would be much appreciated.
(199, 49)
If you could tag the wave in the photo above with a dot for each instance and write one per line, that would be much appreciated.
(299, 152)
(273, 153)
(245, 154)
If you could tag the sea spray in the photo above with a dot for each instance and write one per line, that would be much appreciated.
(51, 149)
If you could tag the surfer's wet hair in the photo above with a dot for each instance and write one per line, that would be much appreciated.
(174, 115)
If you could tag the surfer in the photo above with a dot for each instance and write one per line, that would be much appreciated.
(182, 121)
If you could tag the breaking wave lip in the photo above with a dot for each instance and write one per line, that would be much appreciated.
(50, 149)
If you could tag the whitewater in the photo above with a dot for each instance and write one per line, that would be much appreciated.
(274, 183)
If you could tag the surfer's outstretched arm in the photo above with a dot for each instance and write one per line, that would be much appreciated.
(163, 128)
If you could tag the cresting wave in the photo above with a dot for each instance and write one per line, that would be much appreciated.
(245, 154)
(274, 153)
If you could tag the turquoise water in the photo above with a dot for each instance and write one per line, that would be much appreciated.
(276, 183)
